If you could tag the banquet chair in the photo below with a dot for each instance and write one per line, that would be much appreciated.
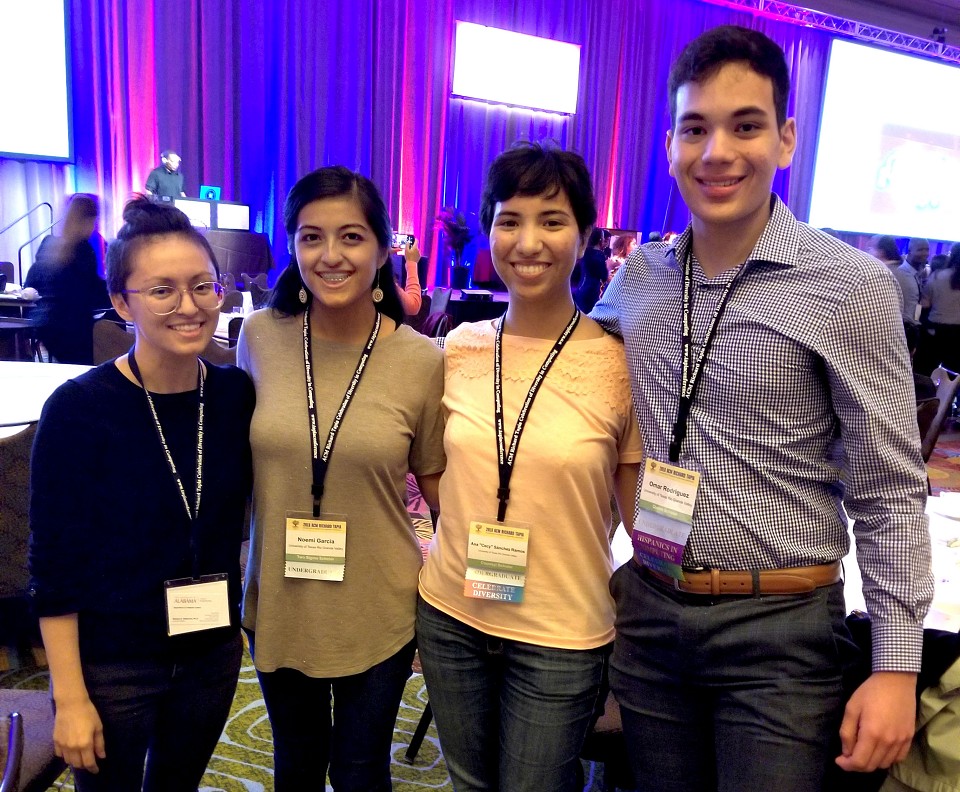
(11, 751)
(219, 355)
(6, 268)
(439, 300)
(947, 383)
(260, 280)
(110, 340)
(233, 330)
(15, 534)
(926, 412)
(39, 766)
(231, 299)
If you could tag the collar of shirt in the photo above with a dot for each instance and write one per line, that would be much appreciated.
(778, 244)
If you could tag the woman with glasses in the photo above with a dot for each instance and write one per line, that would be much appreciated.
(348, 403)
(139, 477)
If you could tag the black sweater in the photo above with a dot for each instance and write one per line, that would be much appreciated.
(107, 520)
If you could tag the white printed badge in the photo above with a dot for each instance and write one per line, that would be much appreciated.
(665, 517)
(197, 604)
(496, 560)
(316, 547)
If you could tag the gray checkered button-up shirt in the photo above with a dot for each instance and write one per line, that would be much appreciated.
(805, 401)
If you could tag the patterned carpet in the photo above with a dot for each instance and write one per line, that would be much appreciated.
(944, 465)
(243, 759)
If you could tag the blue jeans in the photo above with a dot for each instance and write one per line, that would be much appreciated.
(732, 693)
(170, 714)
(511, 716)
(355, 745)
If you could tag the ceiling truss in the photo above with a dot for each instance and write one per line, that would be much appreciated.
(845, 27)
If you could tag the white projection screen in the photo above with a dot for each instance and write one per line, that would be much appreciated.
(888, 155)
(509, 68)
(35, 80)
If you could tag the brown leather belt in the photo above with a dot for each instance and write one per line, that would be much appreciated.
(715, 582)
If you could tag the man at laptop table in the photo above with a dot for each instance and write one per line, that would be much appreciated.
(772, 384)
(166, 182)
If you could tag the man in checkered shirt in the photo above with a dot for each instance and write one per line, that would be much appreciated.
(801, 406)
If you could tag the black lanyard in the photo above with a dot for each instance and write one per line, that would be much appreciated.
(506, 458)
(690, 370)
(321, 459)
(192, 514)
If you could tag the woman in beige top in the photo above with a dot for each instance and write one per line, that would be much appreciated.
(515, 620)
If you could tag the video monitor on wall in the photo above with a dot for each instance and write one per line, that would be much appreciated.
(888, 155)
(528, 71)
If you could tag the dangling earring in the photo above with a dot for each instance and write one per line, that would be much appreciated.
(303, 296)
(377, 294)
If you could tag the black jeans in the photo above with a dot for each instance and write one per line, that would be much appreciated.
(170, 715)
(355, 744)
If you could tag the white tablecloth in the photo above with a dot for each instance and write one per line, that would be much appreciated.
(24, 387)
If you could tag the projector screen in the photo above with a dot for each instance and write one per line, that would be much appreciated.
(888, 155)
(526, 71)
(35, 80)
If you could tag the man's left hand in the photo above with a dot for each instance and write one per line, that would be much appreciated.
(878, 722)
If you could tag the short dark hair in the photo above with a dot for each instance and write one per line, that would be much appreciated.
(167, 153)
(886, 245)
(334, 182)
(596, 237)
(538, 169)
(703, 57)
(145, 221)
(83, 206)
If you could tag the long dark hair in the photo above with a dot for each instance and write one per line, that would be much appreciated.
(953, 263)
(335, 182)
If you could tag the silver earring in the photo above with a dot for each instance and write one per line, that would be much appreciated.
(377, 294)
(303, 296)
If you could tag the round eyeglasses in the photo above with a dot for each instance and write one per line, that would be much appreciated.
(164, 300)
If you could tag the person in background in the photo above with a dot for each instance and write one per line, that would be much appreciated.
(941, 294)
(885, 249)
(772, 384)
(593, 272)
(348, 403)
(620, 248)
(65, 275)
(938, 262)
(139, 480)
(411, 293)
(166, 181)
(514, 659)
(914, 266)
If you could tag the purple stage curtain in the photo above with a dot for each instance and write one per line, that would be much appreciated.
(255, 95)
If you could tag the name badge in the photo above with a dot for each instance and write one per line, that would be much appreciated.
(316, 547)
(197, 604)
(665, 517)
(496, 560)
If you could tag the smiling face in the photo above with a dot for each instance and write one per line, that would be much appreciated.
(169, 260)
(725, 149)
(338, 254)
(534, 243)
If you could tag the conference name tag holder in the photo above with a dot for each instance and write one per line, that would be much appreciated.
(665, 516)
(316, 547)
(195, 604)
(496, 560)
